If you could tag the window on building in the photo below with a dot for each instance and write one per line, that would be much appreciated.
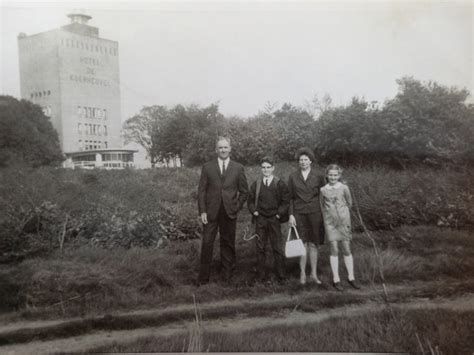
(105, 130)
(105, 145)
(79, 128)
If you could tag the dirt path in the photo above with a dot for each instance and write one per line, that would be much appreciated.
(235, 324)
(7, 325)
(104, 338)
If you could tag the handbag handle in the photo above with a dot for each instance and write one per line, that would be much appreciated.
(289, 233)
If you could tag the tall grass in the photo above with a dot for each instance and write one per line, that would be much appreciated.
(448, 331)
(152, 205)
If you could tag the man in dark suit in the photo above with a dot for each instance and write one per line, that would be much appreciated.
(222, 192)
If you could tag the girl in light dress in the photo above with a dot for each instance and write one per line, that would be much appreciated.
(336, 201)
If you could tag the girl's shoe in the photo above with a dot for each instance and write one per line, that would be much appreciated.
(354, 284)
(338, 286)
(315, 279)
(302, 279)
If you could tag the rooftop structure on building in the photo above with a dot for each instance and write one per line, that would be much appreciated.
(73, 74)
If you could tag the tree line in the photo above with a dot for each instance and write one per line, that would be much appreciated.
(424, 122)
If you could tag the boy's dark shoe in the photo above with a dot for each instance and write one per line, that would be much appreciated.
(338, 286)
(354, 284)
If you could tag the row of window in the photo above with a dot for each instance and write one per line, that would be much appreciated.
(125, 157)
(91, 112)
(106, 157)
(88, 46)
(40, 94)
(92, 145)
(91, 129)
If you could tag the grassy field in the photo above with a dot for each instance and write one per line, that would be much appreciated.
(129, 242)
(439, 331)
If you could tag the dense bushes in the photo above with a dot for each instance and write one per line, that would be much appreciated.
(27, 135)
(423, 123)
(45, 209)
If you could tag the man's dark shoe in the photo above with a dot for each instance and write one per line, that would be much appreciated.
(338, 286)
(354, 284)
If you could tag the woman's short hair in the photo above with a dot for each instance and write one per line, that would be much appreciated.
(305, 151)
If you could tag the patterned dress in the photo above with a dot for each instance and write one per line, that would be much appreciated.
(335, 203)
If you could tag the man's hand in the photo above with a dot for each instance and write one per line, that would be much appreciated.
(255, 213)
(292, 221)
(204, 218)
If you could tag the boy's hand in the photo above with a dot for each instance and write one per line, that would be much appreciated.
(292, 221)
(255, 213)
(204, 218)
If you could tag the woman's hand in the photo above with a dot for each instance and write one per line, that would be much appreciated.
(292, 221)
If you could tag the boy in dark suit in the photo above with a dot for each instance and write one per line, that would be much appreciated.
(222, 192)
(268, 203)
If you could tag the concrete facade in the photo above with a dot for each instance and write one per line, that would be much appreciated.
(74, 75)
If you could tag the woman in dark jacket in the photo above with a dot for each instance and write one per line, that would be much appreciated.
(305, 210)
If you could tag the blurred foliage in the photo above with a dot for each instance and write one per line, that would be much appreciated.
(27, 135)
(424, 122)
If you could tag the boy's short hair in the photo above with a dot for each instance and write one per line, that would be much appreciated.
(267, 159)
(305, 151)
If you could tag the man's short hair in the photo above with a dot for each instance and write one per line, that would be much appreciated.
(267, 159)
(305, 151)
(222, 138)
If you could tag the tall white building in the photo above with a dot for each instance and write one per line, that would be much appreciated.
(74, 75)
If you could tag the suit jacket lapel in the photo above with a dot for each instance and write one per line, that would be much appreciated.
(300, 175)
(313, 176)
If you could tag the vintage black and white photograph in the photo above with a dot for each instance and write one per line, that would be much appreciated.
(237, 177)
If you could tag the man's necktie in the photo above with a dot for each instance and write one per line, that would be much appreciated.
(266, 182)
(223, 167)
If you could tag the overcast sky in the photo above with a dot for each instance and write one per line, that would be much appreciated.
(244, 54)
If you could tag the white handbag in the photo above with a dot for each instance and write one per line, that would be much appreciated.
(295, 247)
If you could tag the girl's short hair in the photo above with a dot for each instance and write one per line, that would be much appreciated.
(334, 167)
(304, 151)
